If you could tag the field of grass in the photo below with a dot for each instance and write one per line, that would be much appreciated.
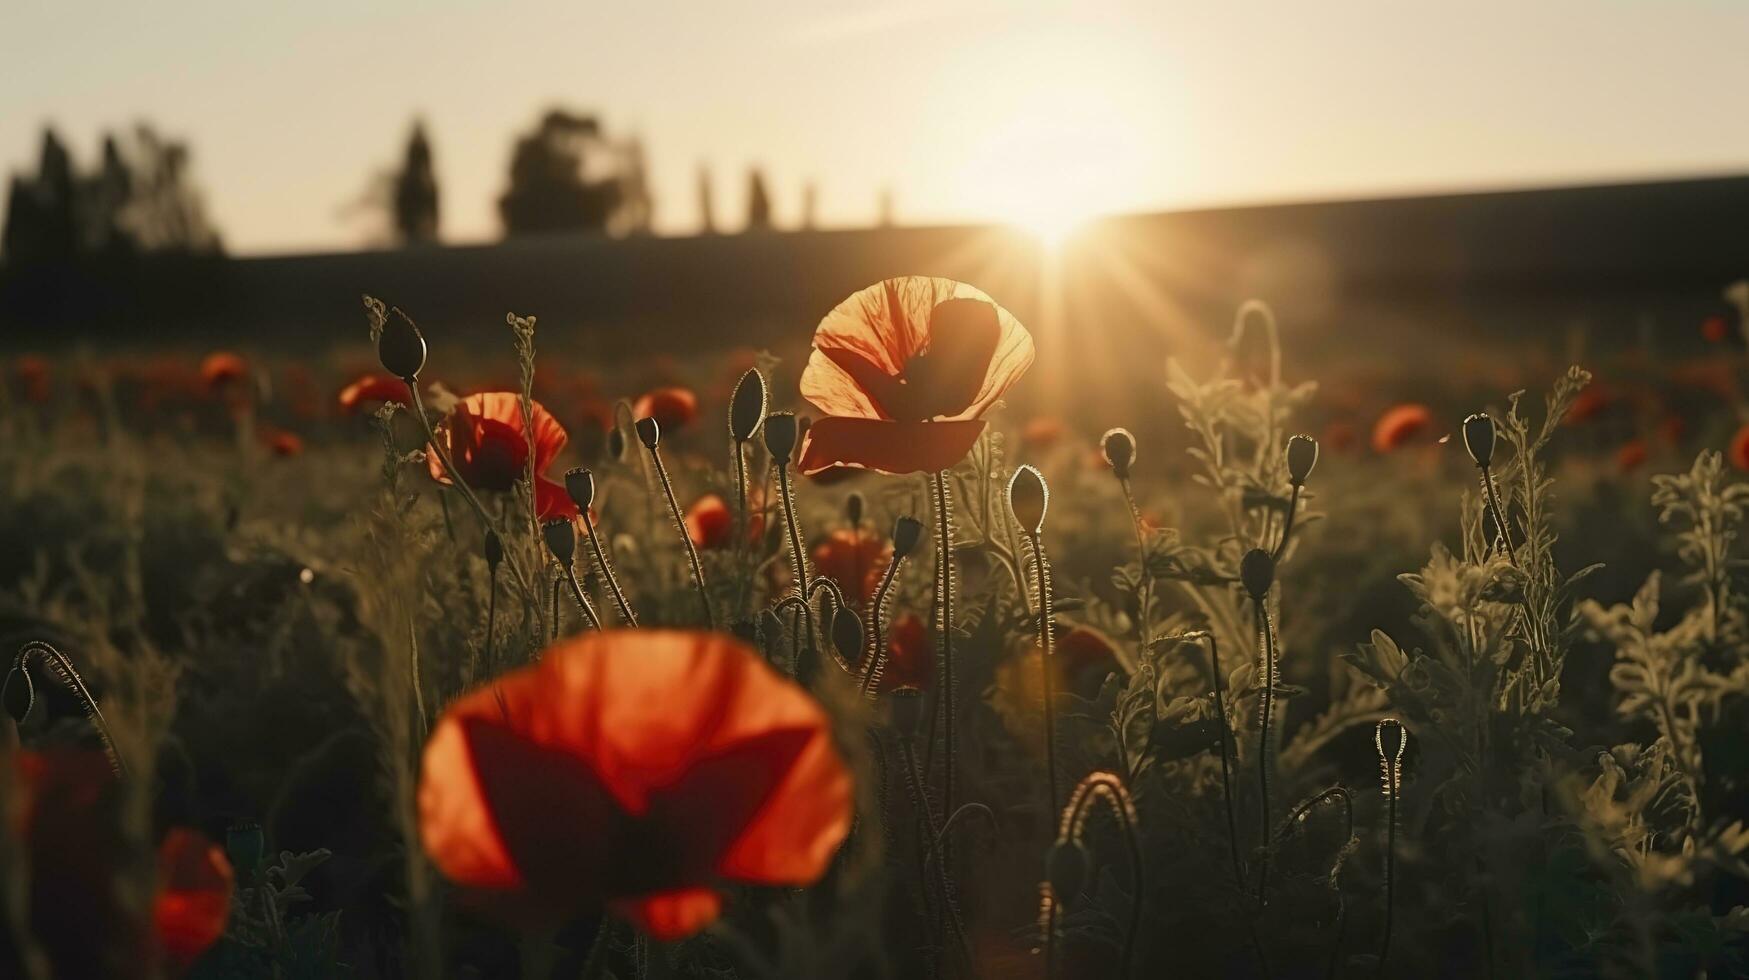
(1262, 719)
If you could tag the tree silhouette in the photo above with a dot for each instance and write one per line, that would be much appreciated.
(707, 219)
(140, 199)
(554, 185)
(758, 202)
(416, 198)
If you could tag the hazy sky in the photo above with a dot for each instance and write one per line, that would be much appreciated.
(967, 109)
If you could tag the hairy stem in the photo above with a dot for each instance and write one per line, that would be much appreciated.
(797, 555)
(582, 599)
(619, 597)
(1047, 647)
(944, 615)
(877, 655)
(704, 596)
(467, 492)
(1267, 674)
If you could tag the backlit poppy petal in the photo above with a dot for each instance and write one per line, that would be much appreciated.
(709, 523)
(1398, 425)
(1739, 451)
(222, 368)
(371, 389)
(552, 503)
(889, 447)
(910, 656)
(506, 407)
(630, 764)
(193, 902)
(855, 560)
(671, 407)
(671, 915)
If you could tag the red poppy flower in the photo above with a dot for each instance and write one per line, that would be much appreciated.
(1631, 456)
(222, 368)
(1043, 432)
(1398, 425)
(1715, 329)
(193, 902)
(709, 523)
(373, 389)
(281, 443)
(72, 825)
(1587, 405)
(904, 371)
(910, 656)
(486, 440)
(855, 559)
(633, 770)
(32, 373)
(1739, 453)
(671, 407)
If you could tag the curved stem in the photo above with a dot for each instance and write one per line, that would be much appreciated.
(877, 655)
(619, 596)
(1047, 647)
(1268, 678)
(68, 675)
(582, 600)
(793, 529)
(704, 597)
(1108, 787)
(1287, 525)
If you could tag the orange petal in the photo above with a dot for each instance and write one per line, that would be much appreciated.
(506, 407)
(889, 447)
(552, 502)
(671, 915)
(195, 883)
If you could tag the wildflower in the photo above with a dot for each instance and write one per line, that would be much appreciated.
(904, 371)
(709, 523)
(910, 660)
(1631, 456)
(671, 407)
(72, 826)
(221, 369)
(1398, 425)
(485, 437)
(634, 771)
(854, 558)
(282, 443)
(32, 373)
(1739, 453)
(369, 390)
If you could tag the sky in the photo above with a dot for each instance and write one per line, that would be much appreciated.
(1028, 112)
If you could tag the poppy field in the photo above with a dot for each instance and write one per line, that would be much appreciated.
(427, 661)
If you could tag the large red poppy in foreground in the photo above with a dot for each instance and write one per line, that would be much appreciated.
(904, 371)
(485, 438)
(633, 770)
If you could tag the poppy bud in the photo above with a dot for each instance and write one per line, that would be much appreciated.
(780, 436)
(907, 531)
(1120, 451)
(401, 347)
(1479, 438)
(1302, 455)
(18, 695)
(649, 432)
(1391, 739)
(244, 846)
(747, 406)
(1028, 497)
(1257, 573)
(853, 505)
(907, 705)
(561, 538)
(1066, 870)
(847, 633)
(494, 549)
(580, 484)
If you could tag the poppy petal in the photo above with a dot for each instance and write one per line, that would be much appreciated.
(552, 503)
(671, 915)
(889, 447)
(193, 903)
(506, 407)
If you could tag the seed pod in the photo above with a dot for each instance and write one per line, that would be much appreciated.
(853, 505)
(780, 436)
(649, 432)
(908, 711)
(847, 633)
(1028, 498)
(907, 532)
(561, 536)
(1257, 573)
(747, 406)
(580, 484)
(1302, 455)
(1479, 438)
(1120, 451)
(401, 347)
(1066, 870)
(494, 549)
(1391, 739)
